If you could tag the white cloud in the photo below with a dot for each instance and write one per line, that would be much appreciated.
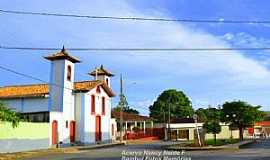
(228, 36)
(224, 70)
(221, 19)
(244, 39)
(207, 70)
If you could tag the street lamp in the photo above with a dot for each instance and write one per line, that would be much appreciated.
(233, 116)
(122, 106)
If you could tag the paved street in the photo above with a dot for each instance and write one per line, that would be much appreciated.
(257, 151)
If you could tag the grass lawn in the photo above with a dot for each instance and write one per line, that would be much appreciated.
(220, 142)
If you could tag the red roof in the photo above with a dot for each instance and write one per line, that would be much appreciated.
(263, 123)
(130, 116)
(41, 90)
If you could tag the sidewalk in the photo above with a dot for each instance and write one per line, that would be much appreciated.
(144, 140)
(36, 153)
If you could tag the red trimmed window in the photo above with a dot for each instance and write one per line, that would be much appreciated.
(69, 73)
(107, 81)
(103, 105)
(93, 104)
(98, 89)
(112, 129)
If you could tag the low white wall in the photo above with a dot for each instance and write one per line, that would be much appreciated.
(114, 124)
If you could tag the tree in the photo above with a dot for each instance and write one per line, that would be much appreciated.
(240, 114)
(212, 122)
(126, 107)
(131, 110)
(202, 114)
(7, 115)
(175, 101)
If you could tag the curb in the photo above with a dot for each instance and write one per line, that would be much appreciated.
(34, 153)
(224, 147)
(80, 148)
(247, 143)
(134, 142)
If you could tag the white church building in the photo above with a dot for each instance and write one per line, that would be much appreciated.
(77, 112)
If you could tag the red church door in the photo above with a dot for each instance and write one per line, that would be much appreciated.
(72, 131)
(54, 132)
(98, 128)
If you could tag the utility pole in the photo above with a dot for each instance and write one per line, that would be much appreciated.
(169, 122)
(195, 117)
(121, 108)
(165, 127)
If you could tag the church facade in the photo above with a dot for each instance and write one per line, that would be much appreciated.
(77, 112)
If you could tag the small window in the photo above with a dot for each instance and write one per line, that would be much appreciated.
(107, 81)
(69, 73)
(98, 89)
(103, 106)
(93, 104)
(66, 124)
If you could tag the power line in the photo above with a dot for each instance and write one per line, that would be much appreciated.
(31, 77)
(137, 49)
(137, 18)
(43, 81)
(22, 74)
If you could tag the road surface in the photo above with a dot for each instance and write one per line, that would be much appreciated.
(256, 151)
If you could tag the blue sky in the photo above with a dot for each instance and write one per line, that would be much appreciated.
(207, 79)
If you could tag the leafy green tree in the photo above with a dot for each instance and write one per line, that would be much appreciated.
(212, 122)
(179, 104)
(7, 115)
(126, 107)
(202, 114)
(131, 110)
(240, 114)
